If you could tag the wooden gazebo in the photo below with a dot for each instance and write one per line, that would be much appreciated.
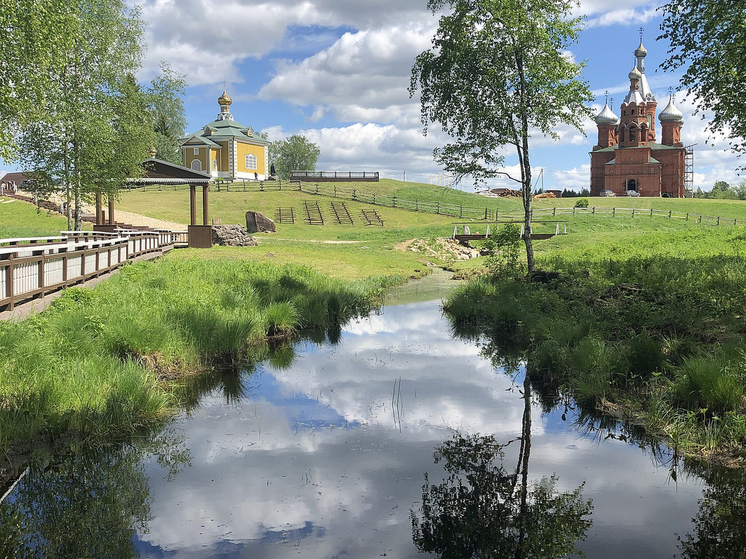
(157, 171)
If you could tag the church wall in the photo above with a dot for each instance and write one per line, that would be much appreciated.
(633, 164)
(223, 162)
(672, 179)
(189, 157)
(242, 150)
(598, 161)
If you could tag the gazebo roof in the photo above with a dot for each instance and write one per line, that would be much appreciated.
(157, 171)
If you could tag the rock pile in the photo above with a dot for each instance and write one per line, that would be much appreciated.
(257, 222)
(444, 249)
(232, 236)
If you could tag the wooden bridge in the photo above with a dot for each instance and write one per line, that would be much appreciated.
(37, 266)
(466, 235)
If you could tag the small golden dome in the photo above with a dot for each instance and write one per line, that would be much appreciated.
(224, 100)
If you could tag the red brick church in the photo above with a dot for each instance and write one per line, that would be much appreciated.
(627, 157)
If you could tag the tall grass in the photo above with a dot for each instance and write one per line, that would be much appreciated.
(662, 336)
(95, 363)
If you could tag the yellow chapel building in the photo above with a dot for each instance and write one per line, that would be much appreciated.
(226, 149)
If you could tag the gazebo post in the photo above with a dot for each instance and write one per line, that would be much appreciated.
(205, 210)
(192, 204)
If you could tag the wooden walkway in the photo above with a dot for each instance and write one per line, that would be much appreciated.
(33, 270)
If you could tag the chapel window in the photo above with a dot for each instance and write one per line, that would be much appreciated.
(250, 161)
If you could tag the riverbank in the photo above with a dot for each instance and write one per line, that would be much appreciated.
(103, 363)
(652, 335)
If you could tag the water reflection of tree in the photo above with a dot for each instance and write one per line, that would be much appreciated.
(88, 505)
(484, 511)
(720, 524)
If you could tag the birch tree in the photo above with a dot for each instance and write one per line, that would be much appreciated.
(498, 74)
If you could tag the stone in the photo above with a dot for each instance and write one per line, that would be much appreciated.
(257, 222)
(232, 236)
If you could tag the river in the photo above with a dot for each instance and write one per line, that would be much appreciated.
(323, 454)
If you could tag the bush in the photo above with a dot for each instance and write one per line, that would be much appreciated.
(582, 203)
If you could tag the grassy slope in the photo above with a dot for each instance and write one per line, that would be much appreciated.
(21, 219)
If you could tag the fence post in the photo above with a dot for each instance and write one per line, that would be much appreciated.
(9, 280)
(554, 211)
(354, 195)
(438, 210)
(687, 216)
(497, 215)
(394, 198)
(485, 213)
(573, 210)
(633, 212)
(416, 205)
(461, 210)
(335, 190)
(317, 185)
(613, 212)
(700, 219)
(593, 210)
(718, 220)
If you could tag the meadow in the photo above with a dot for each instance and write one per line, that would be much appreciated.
(642, 318)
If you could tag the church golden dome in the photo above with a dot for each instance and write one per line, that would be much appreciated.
(224, 100)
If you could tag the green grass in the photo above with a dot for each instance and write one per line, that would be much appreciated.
(96, 364)
(21, 219)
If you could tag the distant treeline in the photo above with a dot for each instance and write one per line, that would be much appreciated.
(724, 191)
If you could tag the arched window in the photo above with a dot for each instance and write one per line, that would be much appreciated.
(196, 165)
(250, 162)
(632, 134)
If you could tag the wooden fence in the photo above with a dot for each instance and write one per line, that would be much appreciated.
(454, 210)
(34, 267)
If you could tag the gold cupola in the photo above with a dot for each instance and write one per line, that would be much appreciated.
(225, 107)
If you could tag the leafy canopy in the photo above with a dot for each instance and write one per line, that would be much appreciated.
(499, 70)
(708, 40)
(296, 153)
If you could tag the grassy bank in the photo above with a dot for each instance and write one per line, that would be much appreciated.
(21, 219)
(99, 362)
(650, 331)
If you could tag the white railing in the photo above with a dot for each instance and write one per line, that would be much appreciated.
(35, 266)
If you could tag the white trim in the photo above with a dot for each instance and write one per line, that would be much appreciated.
(195, 151)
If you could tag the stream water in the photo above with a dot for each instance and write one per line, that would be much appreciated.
(325, 457)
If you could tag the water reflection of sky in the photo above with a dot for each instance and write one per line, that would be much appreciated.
(326, 458)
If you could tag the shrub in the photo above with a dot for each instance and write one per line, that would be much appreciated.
(582, 203)
(708, 383)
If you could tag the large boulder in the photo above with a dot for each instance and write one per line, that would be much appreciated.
(232, 236)
(257, 222)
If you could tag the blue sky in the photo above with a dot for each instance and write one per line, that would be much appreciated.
(338, 71)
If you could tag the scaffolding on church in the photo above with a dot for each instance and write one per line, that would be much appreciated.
(689, 171)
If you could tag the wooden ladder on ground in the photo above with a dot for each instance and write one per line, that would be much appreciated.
(341, 214)
(313, 213)
(285, 215)
(372, 218)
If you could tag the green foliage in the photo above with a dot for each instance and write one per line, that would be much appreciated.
(506, 252)
(85, 132)
(496, 70)
(166, 110)
(295, 153)
(709, 383)
(708, 41)
(582, 203)
(484, 510)
(88, 366)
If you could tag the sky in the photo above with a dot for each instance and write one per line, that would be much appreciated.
(337, 71)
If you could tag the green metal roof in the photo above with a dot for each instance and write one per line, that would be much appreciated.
(228, 130)
(652, 145)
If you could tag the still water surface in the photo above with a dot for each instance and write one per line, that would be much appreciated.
(326, 458)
